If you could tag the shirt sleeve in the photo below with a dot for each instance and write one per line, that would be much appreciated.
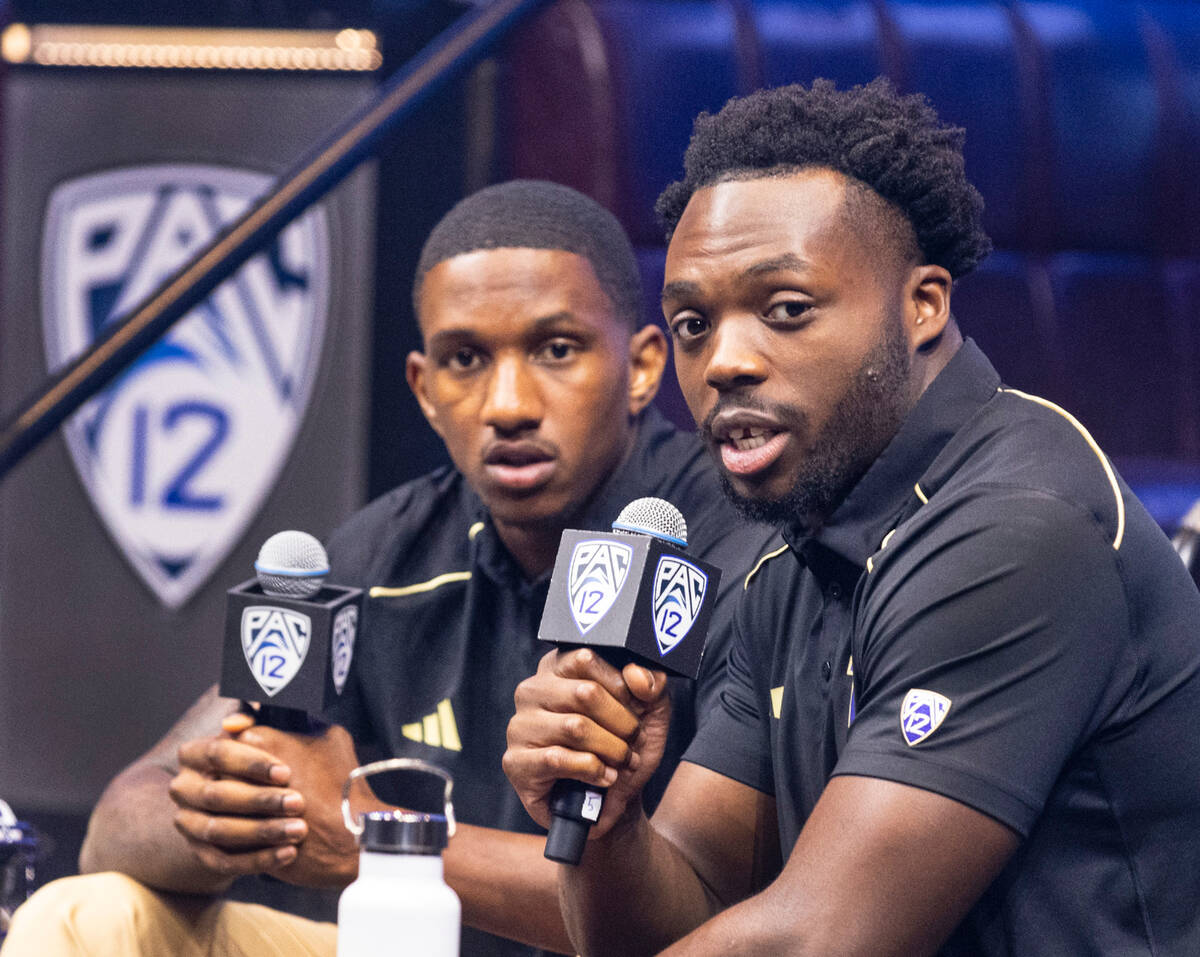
(990, 641)
(736, 553)
(353, 549)
(733, 738)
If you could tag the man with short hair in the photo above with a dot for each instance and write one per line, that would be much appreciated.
(958, 705)
(537, 377)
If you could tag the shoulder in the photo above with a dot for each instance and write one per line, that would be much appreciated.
(1025, 450)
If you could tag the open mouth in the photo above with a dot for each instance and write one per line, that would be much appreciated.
(746, 455)
(748, 444)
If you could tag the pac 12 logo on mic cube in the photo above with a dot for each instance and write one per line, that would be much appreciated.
(291, 652)
(634, 592)
(289, 638)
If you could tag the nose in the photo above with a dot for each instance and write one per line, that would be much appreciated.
(735, 356)
(513, 402)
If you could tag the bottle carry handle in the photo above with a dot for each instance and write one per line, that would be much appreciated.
(394, 764)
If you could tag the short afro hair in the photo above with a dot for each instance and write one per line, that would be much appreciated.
(893, 144)
(533, 214)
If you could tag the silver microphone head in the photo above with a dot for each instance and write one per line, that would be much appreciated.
(653, 516)
(291, 565)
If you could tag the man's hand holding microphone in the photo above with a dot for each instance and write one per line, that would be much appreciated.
(264, 796)
(596, 717)
(581, 718)
(256, 800)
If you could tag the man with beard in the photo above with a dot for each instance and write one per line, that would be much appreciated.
(958, 705)
(538, 375)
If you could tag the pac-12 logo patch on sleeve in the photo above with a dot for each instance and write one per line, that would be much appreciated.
(921, 714)
(597, 573)
(679, 588)
(178, 453)
(275, 642)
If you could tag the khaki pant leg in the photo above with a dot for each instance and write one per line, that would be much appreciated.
(111, 915)
(251, 930)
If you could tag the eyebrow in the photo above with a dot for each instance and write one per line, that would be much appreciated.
(540, 324)
(683, 288)
(680, 289)
(788, 261)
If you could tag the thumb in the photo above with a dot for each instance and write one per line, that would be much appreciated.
(645, 684)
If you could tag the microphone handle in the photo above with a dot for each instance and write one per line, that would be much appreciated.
(574, 808)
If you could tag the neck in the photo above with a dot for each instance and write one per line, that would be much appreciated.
(933, 359)
(532, 547)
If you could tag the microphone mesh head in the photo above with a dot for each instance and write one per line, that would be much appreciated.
(653, 516)
(291, 565)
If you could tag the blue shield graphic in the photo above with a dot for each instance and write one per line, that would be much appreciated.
(179, 453)
(597, 572)
(275, 642)
(921, 714)
(679, 588)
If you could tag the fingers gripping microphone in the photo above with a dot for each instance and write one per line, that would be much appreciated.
(635, 596)
(289, 637)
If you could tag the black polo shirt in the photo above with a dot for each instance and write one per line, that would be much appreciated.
(993, 616)
(449, 627)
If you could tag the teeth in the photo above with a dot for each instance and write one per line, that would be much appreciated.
(749, 439)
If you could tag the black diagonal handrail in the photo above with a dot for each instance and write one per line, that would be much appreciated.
(454, 50)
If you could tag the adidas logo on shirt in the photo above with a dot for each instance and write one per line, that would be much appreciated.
(438, 730)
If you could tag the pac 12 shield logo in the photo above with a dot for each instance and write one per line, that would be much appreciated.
(275, 642)
(178, 454)
(679, 588)
(921, 714)
(598, 570)
(345, 630)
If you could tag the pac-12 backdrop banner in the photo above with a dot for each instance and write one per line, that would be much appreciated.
(179, 453)
(120, 535)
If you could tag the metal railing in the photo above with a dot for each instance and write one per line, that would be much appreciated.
(451, 53)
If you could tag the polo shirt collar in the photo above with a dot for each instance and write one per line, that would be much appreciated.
(869, 512)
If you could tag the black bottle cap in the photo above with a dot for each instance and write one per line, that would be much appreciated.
(404, 832)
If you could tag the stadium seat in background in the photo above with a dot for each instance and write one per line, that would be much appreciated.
(1083, 134)
(839, 40)
(1007, 306)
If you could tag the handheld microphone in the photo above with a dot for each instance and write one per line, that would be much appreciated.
(633, 595)
(289, 637)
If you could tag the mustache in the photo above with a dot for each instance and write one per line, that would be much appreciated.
(789, 415)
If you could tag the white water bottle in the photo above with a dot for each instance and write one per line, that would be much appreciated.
(400, 902)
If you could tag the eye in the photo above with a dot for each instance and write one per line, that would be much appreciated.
(788, 311)
(463, 359)
(688, 327)
(558, 350)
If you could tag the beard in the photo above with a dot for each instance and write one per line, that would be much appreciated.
(863, 422)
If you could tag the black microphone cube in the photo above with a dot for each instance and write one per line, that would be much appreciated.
(633, 592)
(288, 652)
